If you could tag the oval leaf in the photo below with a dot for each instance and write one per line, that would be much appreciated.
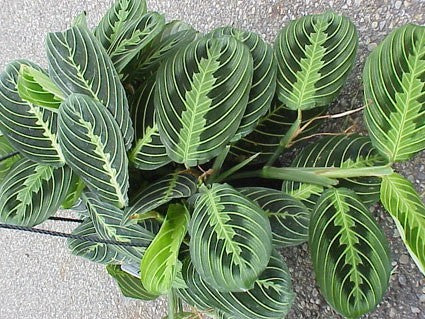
(30, 129)
(394, 80)
(96, 252)
(79, 64)
(314, 56)
(31, 193)
(160, 262)
(289, 218)
(117, 18)
(94, 148)
(6, 149)
(271, 296)
(350, 253)
(134, 38)
(231, 238)
(408, 211)
(201, 95)
(129, 285)
(264, 77)
(148, 153)
(345, 151)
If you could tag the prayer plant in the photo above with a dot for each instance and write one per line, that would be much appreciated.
(170, 139)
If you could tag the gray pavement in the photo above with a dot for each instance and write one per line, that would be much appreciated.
(40, 279)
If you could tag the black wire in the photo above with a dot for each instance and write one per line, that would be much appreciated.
(7, 156)
(65, 219)
(92, 239)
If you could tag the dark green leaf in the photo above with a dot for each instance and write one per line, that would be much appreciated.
(5, 149)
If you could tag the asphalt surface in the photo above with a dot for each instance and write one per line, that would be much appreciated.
(40, 279)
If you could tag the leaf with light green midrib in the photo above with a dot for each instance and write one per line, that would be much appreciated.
(145, 140)
(34, 183)
(197, 102)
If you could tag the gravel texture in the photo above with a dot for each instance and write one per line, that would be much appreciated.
(40, 279)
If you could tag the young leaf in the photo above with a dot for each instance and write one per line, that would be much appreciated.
(117, 18)
(289, 218)
(31, 193)
(201, 95)
(408, 211)
(35, 87)
(172, 186)
(394, 78)
(30, 129)
(129, 285)
(264, 77)
(134, 38)
(94, 148)
(79, 64)
(314, 56)
(230, 238)
(159, 264)
(271, 297)
(5, 149)
(96, 252)
(345, 151)
(148, 152)
(350, 253)
(107, 222)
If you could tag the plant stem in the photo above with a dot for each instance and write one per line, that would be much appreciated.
(218, 163)
(286, 139)
(234, 169)
(171, 304)
(324, 176)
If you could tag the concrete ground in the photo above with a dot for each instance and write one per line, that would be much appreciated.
(40, 279)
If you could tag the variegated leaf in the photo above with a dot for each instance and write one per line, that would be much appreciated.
(176, 185)
(408, 211)
(94, 148)
(289, 218)
(314, 56)
(31, 192)
(6, 149)
(201, 95)
(264, 77)
(350, 253)
(394, 81)
(230, 238)
(148, 152)
(271, 297)
(79, 64)
(30, 129)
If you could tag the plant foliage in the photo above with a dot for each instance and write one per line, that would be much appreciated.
(125, 115)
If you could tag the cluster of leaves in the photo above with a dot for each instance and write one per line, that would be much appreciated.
(126, 114)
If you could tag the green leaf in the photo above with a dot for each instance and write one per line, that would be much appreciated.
(35, 87)
(344, 151)
(30, 129)
(5, 149)
(270, 130)
(174, 35)
(129, 285)
(394, 80)
(159, 264)
(81, 20)
(148, 152)
(74, 193)
(94, 148)
(289, 218)
(201, 95)
(264, 77)
(107, 222)
(350, 253)
(172, 186)
(408, 211)
(271, 297)
(314, 55)
(134, 38)
(96, 252)
(31, 193)
(117, 18)
(231, 238)
(79, 64)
